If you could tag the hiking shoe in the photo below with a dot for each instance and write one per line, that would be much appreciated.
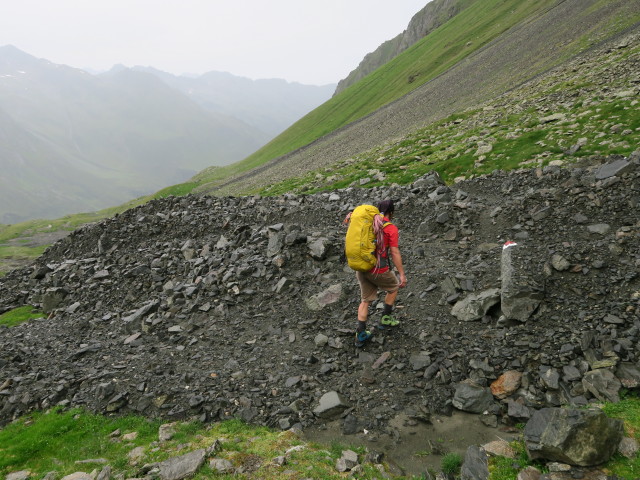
(389, 321)
(362, 337)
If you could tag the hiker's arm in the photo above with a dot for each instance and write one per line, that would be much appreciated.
(397, 262)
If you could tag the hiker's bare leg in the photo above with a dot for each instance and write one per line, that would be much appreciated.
(390, 297)
(363, 311)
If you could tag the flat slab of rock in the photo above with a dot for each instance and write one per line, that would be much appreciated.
(331, 405)
(475, 465)
(21, 475)
(78, 476)
(177, 468)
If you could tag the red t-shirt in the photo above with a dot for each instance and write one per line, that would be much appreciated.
(391, 239)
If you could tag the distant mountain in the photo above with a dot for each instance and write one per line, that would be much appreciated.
(74, 142)
(269, 105)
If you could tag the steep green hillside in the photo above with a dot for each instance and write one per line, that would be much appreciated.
(432, 16)
(448, 45)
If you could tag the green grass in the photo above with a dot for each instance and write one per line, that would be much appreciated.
(51, 441)
(520, 140)
(627, 410)
(56, 440)
(503, 468)
(451, 464)
(19, 315)
(176, 190)
(21, 253)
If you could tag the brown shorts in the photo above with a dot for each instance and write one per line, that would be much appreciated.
(370, 284)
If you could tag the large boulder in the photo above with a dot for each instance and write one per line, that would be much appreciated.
(474, 307)
(577, 437)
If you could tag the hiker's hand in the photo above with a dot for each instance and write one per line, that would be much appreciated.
(403, 280)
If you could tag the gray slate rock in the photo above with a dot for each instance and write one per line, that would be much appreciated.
(331, 295)
(603, 384)
(475, 465)
(628, 447)
(319, 248)
(347, 461)
(628, 374)
(521, 292)
(78, 476)
(53, 298)
(474, 307)
(529, 473)
(611, 169)
(331, 405)
(177, 468)
(471, 397)
(221, 465)
(20, 475)
(576, 437)
(599, 228)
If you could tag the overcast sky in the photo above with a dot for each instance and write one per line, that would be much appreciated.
(308, 41)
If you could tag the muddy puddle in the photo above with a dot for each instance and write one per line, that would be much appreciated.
(414, 446)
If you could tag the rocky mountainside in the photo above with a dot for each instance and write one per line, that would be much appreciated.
(552, 61)
(434, 14)
(220, 307)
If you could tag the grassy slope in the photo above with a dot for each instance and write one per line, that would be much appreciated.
(513, 128)
(465, 33)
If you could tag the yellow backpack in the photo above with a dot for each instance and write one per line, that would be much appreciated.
(364, 236)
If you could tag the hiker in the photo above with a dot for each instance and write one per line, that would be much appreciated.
(381, 277)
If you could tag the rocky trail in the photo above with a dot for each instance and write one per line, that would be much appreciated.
(213, 308)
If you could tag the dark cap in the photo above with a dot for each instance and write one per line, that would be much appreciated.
(386, 206)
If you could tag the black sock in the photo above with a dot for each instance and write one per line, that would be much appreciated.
(387, 309)
(362, 326)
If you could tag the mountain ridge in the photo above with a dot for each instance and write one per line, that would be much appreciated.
(116, 136)
(526, 51)
(434, 14)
